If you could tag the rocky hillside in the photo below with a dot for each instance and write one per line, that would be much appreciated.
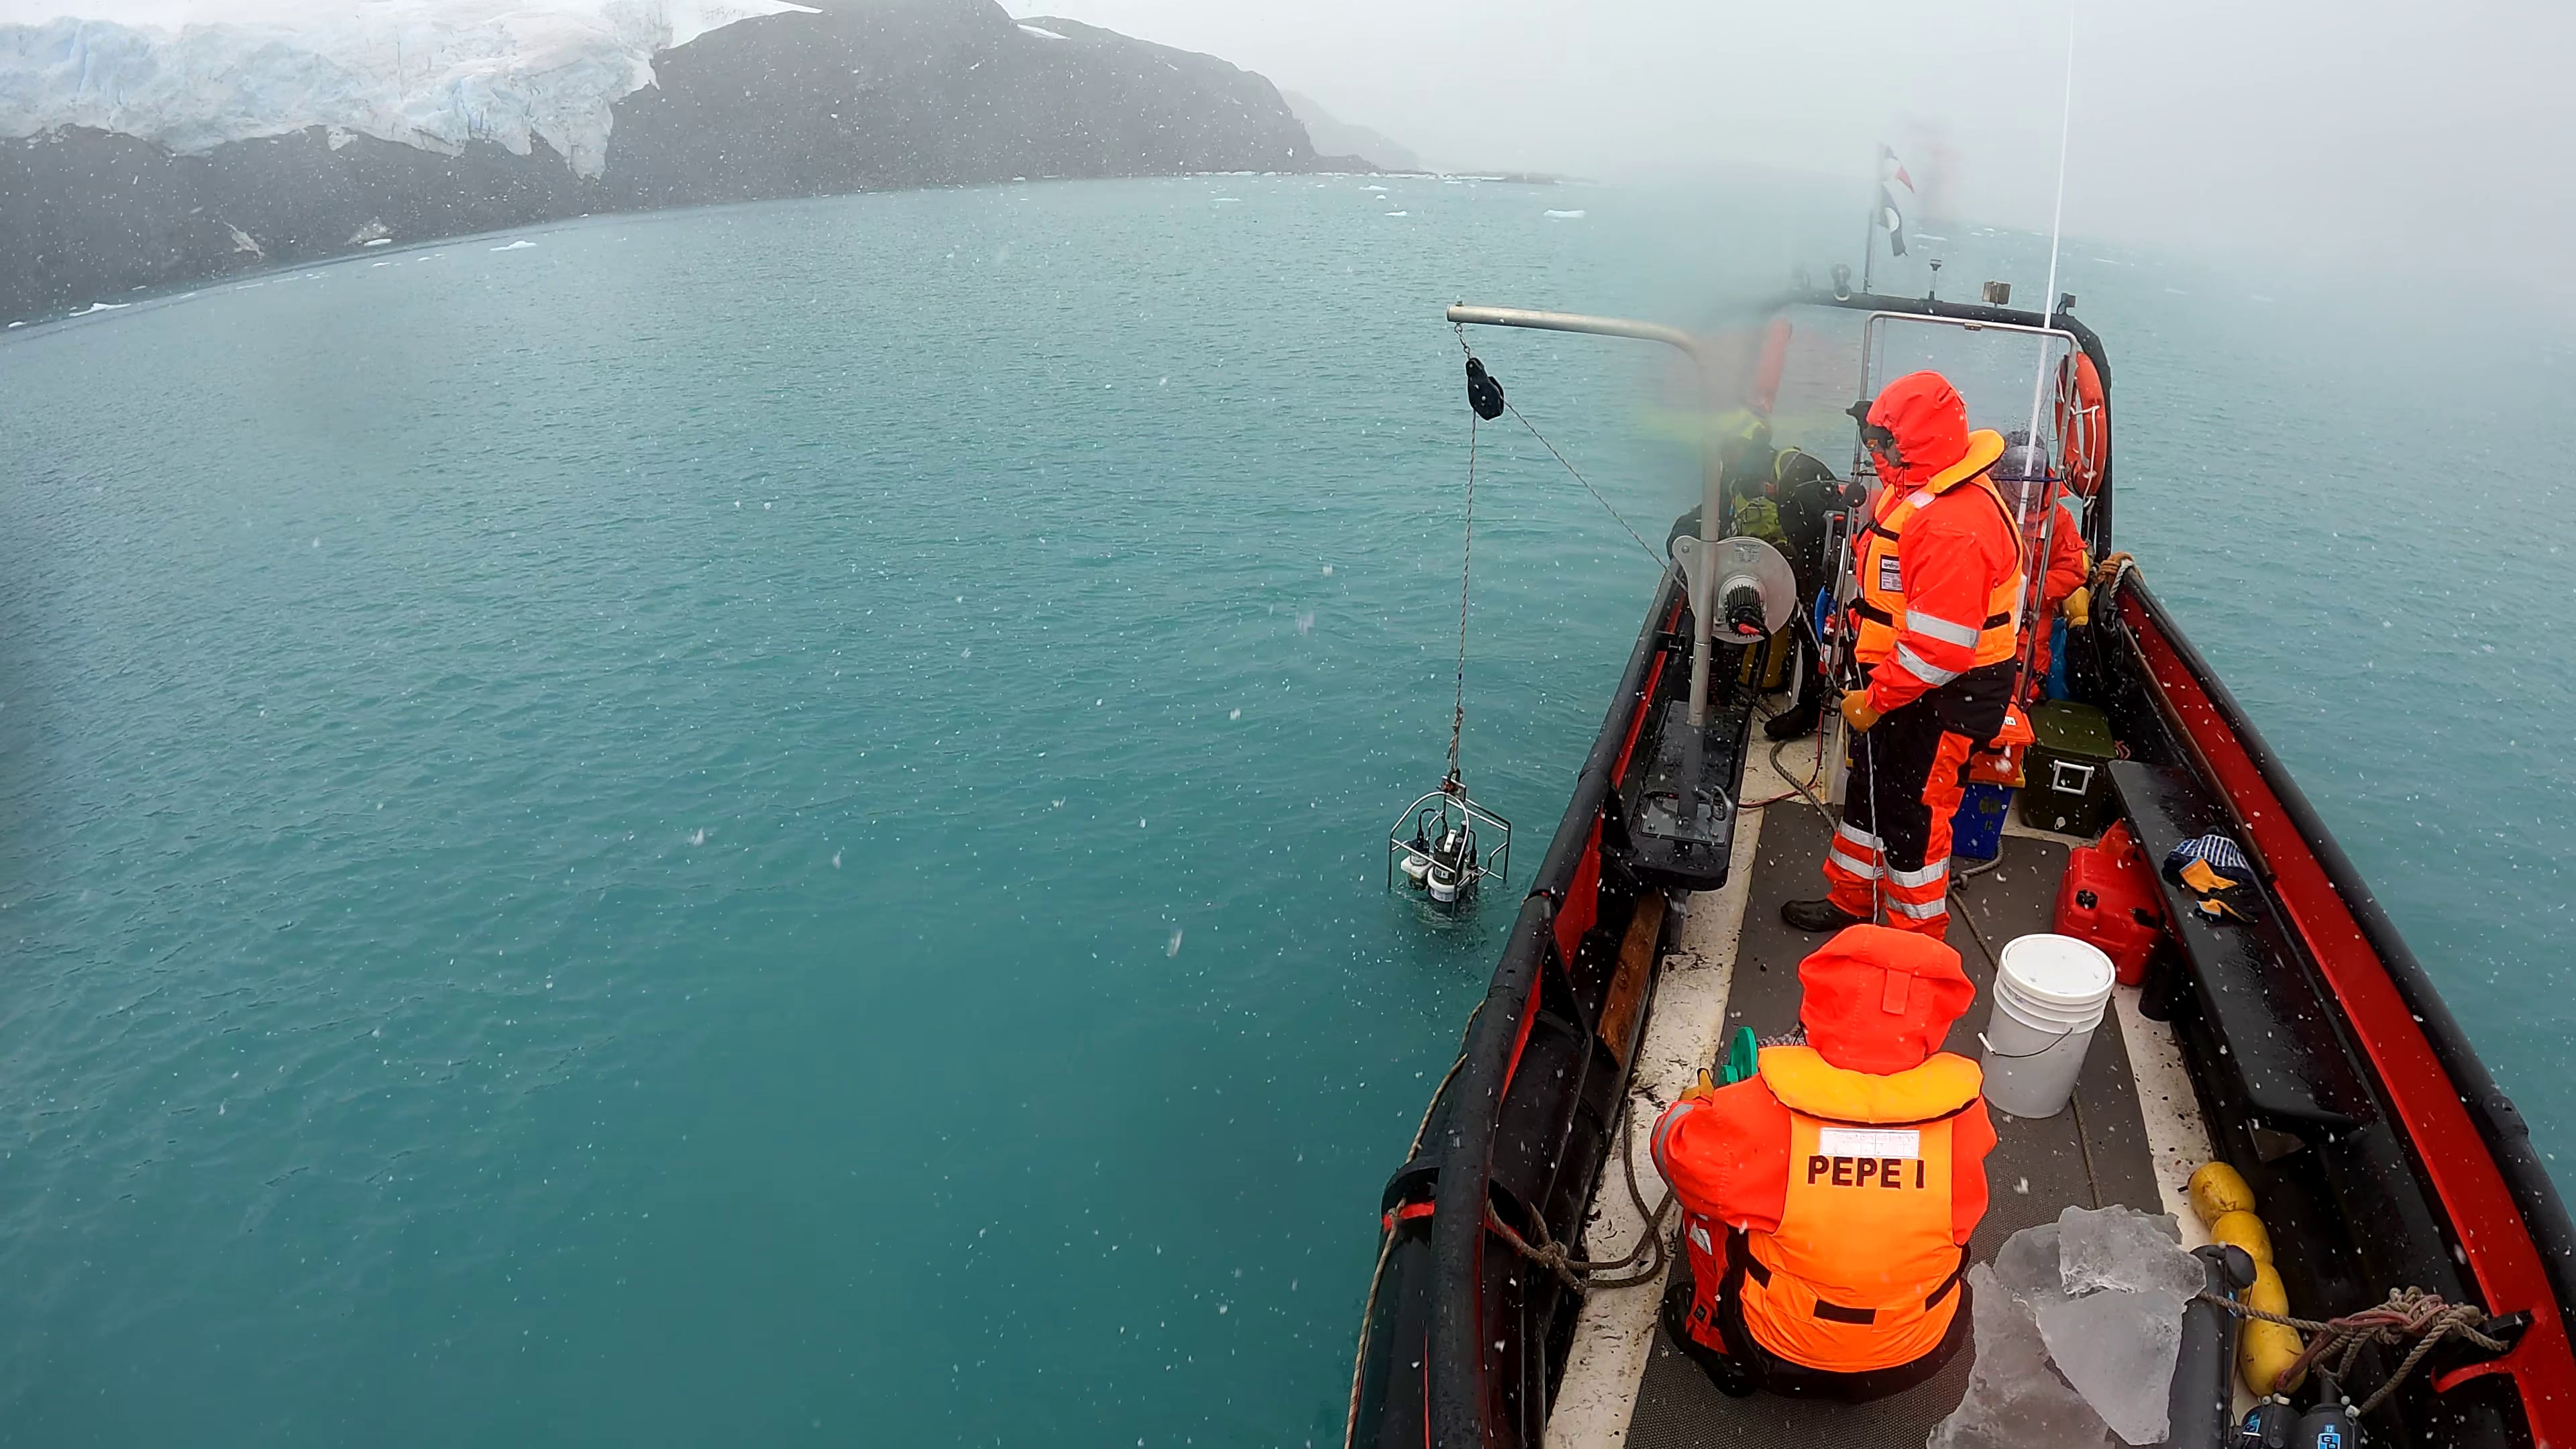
(864, 95)
(1336, 137)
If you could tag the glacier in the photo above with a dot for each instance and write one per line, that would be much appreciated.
(435, 74)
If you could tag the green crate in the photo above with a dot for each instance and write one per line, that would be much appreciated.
(2065, 787)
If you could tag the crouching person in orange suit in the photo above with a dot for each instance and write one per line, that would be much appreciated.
(1828, 1199)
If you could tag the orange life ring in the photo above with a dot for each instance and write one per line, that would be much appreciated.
(2083, 424)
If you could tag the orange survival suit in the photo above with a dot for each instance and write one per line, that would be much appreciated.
(2029, 486)
(1936, 624)
(1829, 1198)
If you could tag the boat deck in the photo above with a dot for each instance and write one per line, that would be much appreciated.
(2132, 1134)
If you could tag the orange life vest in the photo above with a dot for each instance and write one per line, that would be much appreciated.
(1863, 1271)
(1880, 606)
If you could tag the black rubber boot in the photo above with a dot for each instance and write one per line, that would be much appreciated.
(1799, 722)
(1818, 916)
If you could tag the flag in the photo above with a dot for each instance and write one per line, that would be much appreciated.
(1892, 174)
(1891, 169)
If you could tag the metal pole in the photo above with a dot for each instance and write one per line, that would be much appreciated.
(1712, 459)
(1877, 218)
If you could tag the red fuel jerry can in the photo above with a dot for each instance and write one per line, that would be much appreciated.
(2109, 898)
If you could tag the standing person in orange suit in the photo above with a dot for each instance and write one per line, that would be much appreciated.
(1935, 627)
(2030, 489)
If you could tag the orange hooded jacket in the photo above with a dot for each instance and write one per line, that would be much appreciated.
(1960, 551)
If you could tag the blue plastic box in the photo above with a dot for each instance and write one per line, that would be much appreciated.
(1977, 831)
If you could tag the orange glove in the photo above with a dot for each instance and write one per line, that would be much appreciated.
(1857, 711)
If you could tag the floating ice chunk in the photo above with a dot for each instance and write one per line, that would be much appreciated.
(1174, 949)
(2120, 1247)
(102, 307)
(2014, 1399)
(1567, 215)
(698, 836)
(522, 244)
(1306, 622)
(1399, 213)
(2117, 1348)
(382, 241)
(1042, 33)
(1372, 188)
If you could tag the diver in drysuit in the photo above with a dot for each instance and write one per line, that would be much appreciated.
(1785, 497)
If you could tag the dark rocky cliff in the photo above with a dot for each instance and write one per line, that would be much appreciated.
(869, 95)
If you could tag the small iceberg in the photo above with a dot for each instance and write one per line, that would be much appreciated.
(1042, 33)
(382, 241)
(1567, 215)
(1372, 188)
(516, 246)
(102, 307)
(1399, 213)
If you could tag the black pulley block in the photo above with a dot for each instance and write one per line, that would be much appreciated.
(1483, 393)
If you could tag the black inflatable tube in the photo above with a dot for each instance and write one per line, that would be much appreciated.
(2499, 1122)
(1461, 1403)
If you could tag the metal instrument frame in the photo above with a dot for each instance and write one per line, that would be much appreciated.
(1491, 865)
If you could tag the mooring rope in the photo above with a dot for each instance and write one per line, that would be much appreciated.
(2409, 1314)
(1587, 485)
(1466, 566)
(1572, 1271)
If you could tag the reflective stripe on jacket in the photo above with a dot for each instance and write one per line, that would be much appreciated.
(1941, 581)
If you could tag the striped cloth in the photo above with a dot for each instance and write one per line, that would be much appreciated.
(2221, 853)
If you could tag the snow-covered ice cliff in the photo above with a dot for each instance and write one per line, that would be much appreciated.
(436, 74)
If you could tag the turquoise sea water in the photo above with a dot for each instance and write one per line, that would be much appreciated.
(760, 825)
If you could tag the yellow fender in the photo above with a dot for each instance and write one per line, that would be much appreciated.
(2217, 1190)
(2244, 1230)
(2264, 1352)
(2224, 1201)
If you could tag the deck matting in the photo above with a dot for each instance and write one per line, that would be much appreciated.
(2093, 1155)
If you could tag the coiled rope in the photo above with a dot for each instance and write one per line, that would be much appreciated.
(1573, 1271)
(2410, 1314)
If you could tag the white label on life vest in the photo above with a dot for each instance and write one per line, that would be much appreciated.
(1890, 581)
(1869, 1142)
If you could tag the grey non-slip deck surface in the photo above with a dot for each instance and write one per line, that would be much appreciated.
(2092, 1155)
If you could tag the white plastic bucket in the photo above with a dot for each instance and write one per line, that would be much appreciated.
(2050, 992)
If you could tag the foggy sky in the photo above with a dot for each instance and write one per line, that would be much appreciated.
(2436, 135)
(2343, 132)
